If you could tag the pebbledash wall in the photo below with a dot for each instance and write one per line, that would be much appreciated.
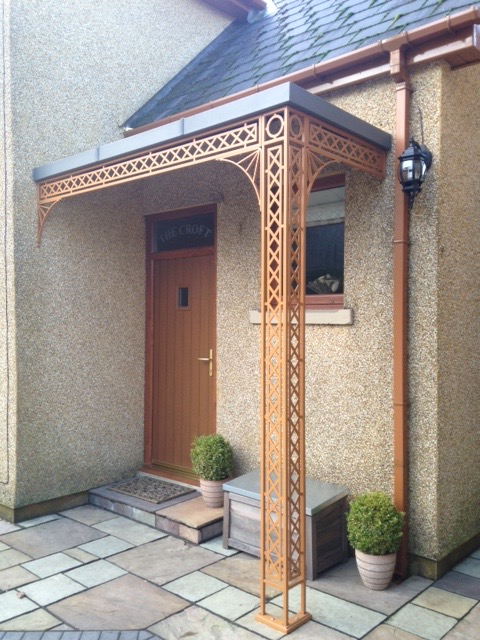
(72, 72)
(349, 411)
(79, 304)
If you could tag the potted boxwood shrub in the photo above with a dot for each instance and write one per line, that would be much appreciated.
(374, 528)
(212, 461)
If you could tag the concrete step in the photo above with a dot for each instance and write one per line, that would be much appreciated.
(186, 517)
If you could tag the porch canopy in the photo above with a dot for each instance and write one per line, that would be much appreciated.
(281, 138)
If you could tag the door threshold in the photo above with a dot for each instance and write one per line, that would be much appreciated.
(176, 476)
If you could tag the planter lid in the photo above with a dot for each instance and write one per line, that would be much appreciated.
(319, 495)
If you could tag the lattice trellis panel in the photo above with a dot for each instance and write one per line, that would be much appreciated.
(235, 144)
(281, 153)
(283, 195)
(239, 143)
(338, 146)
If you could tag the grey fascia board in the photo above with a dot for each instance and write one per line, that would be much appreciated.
(151, 138)
(110, 151)
(286, 94)
(65, 165)
(329, 113)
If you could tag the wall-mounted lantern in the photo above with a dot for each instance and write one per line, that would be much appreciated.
(415, 161)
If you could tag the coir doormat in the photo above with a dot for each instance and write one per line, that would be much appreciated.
(151, 489)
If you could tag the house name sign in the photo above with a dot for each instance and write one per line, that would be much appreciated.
(184, 233)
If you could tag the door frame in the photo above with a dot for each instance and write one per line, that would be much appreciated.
(150, 258)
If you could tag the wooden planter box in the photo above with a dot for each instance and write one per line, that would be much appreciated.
(326, 536)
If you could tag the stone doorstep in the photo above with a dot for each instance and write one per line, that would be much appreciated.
(191, 520)
(186, 517)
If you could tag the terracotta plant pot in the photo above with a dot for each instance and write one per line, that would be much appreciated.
(212, 492)
(376, 572)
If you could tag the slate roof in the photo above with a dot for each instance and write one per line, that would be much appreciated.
(299, 34)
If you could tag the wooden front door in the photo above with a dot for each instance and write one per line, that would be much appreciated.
(182, 339)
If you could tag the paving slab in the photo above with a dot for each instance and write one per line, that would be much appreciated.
(343, 581)
(195, 586)
(187, 624)
(164, 560)
(51, 537)
(248, 621)
(48, 566)
(476, 554)
(450, 604)
(468, 628)
(40, 520)
(95, 573)
(423, 622)
(105, 547)
(231, 603)
(315, 631)
(216, 544)
(12, 558)
(460, 583)
(309, 631)
(386, 632)
(51, 589)
(3, 547)
(15, 577)
(242, 571)
(88, 514)
(82, 556)
(333, 612)
(470, 567)
(38, 620)
(125, 603)
(7, 527)
(129, 530)
(11, 606)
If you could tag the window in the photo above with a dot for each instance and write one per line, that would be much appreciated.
(325, 243)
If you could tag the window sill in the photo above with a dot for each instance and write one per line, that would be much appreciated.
(317, 316)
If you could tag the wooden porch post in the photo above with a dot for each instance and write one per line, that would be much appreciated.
(283, 186)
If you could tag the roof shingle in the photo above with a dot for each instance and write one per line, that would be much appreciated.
(299, 34)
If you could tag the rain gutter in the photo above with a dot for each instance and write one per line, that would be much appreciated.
(454, 38)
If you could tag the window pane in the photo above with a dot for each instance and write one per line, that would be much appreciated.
(325, 241)
(184, 233)
(183, 297)
(325, 259)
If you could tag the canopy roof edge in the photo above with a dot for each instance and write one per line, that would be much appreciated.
(287, 94)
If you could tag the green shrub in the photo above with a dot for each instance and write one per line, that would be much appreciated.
(374, 525)
(212, 457)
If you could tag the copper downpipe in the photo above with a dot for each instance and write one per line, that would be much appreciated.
(400, 307)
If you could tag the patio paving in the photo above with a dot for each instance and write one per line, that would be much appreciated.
(90, 574)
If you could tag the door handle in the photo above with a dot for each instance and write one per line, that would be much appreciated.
(210, 362)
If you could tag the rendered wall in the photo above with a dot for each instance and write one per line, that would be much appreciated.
(81, 320)
(7, 272)
(78, 70)
(349, 416)
(423, 324)
(459, 310)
